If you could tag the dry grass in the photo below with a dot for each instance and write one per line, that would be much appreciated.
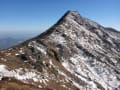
(12, 84)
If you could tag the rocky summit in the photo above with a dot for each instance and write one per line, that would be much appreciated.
(74, 54)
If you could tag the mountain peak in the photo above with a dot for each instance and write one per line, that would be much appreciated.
(70, 19)
(75, 16)
(75, 13)
(72, 14)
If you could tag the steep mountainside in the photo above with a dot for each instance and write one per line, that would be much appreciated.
(74, 54)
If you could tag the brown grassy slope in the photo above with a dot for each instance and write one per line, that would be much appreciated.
(13, 84)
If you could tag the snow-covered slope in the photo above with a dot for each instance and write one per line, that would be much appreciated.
(75, 54)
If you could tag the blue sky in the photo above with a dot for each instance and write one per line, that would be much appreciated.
(31, 17)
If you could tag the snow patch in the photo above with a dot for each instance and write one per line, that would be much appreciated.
(38, 46)
(76, 66)
(22, 74)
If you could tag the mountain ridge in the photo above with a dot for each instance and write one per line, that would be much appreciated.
(69, 12)
(74, 54)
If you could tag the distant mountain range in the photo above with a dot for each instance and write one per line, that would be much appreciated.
(8, 42)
